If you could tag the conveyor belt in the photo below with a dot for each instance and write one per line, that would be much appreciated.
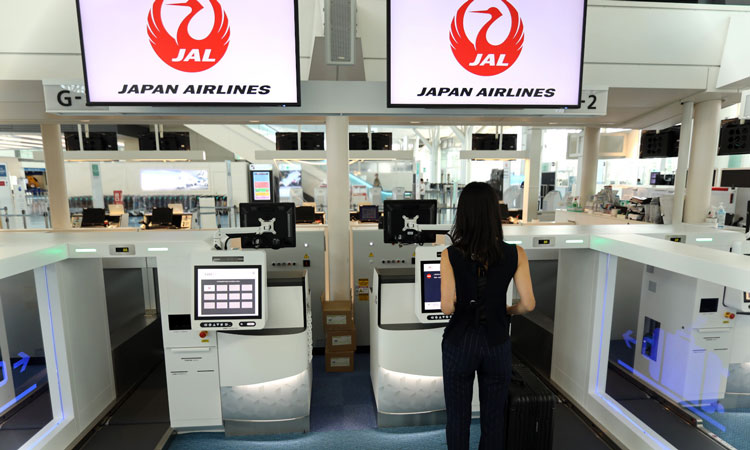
(676, 431)
(141, 421)
(30, 417)
(672, 427)
(571, 433)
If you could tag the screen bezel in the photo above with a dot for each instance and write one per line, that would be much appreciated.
(391, 104)
(422, 264)
(209, 104)
(259, 299)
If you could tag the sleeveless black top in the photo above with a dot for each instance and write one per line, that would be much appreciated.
(481, 295)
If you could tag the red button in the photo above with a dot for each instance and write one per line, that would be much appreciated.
(731, 316)
(203, 334)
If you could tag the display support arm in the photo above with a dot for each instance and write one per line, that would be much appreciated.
(224, 234)
(411, 224)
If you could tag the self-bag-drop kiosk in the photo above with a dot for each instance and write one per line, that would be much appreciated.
(406, 321)
(405, 355)
(237, 338)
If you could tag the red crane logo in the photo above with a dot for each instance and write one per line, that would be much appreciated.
(185, 53)
(483, 58)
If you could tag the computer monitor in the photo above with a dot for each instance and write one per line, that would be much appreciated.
(305, 214)
(394, 212)
(369, 213)
(262, 185)
(430, 276)
(251, 215)
(548, 178)
(161, 217)
(504, 212)
(93, 217)
(228, 292)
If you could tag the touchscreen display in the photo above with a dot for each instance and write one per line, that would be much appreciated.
(430, 273)
(262, 186)
(226, 292)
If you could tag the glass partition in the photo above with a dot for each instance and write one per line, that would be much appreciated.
(678, 356)
(25, 401)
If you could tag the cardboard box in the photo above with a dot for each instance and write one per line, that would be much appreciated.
(339, 361)
(338, 315)
(341, 340)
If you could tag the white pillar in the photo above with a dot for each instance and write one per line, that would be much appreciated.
(532, 175)
(587, 164)
(56, 183)
(686, 134)
(702, 160)
(337, 141)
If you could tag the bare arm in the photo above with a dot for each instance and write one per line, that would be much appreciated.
(522, 280)
(447, 285)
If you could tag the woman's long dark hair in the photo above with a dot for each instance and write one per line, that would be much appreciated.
(478, 230)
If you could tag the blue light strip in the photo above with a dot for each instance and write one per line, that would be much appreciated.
(5, 374)
(17, 399)
(616, 407)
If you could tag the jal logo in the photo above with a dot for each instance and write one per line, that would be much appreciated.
(482, 57)
(182, 51)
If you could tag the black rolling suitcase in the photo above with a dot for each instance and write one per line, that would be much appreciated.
(529, 420)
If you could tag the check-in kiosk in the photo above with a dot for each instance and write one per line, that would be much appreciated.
(237, 337)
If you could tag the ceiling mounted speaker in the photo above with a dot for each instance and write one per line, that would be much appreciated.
(340, 31)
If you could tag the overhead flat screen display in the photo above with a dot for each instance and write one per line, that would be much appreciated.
(430, 286)
(485, 53)
(207, 52)
(227, 292)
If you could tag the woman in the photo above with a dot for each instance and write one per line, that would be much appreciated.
(475, 272)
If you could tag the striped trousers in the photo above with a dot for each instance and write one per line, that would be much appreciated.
(463, 357)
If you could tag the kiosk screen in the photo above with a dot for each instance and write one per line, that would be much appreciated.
(262, 186)
(430, 273)
(227, 292)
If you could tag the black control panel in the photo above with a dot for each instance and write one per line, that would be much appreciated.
(247, 324)
(216, 324)
(438, 317)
